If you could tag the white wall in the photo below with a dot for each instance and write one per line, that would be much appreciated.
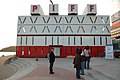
(65, 26)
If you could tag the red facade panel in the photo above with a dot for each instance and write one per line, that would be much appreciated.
(97, 51)
(73, 51)
(32, 51)
(94, 51)
(68, 51)
(46, 49)
(102, 51)
(38, 51)
(25, 51)
(19, 51)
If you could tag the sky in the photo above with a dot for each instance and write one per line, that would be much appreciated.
(11, 9)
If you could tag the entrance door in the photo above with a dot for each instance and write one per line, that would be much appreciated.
(57, 51)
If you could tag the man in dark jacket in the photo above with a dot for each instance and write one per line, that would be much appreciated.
(51, 60)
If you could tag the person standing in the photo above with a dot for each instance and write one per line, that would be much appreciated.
(87, 54)
(82, 64)
(51, 60)
(77, 63)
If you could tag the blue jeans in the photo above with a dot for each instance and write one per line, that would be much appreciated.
(82, 67)
(87, 63)
(77, 73)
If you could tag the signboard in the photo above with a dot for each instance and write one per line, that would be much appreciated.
(36, 10)
(72, 9)
(109, 51)
(53, 8)
(90, 9)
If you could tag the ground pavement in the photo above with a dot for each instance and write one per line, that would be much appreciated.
(42, 73)
(101, 69)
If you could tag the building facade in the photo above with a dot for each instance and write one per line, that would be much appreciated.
(115, 33)
(115, 28)
(36, 34)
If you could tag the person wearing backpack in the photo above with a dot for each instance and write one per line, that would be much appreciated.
(83, 64)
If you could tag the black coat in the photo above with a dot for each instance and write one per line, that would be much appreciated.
(51, 57)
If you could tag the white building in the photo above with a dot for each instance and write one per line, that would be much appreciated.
(36, 34)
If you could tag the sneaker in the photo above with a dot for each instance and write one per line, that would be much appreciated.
(81, 78)
(82, 74)
(78, 78)
(51, 72)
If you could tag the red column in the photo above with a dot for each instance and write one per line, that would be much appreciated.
(67, 51)
(25, 51)
(45, 51)
(32, 51)
(94, 51)
(39, 52)
(73, 51)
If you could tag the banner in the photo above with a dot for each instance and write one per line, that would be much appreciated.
(109, 51)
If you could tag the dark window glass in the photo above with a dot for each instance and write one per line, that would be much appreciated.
(57, 40)
(100, 40)
(94, 40)
(80, 40)
(45, 40)
(52, 40)
(74, 40)
(68, 40)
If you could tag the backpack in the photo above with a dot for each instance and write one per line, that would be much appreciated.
(47, 56)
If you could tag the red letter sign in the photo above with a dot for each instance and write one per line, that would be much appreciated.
(53, 8)
(91, 8)
(72, 7)
(34, 8)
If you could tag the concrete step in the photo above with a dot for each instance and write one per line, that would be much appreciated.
(19, 65)
(97, 75)
(89, 76)
(24, 67)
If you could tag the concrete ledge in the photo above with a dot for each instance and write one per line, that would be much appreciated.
(7, 59)
(104, 75)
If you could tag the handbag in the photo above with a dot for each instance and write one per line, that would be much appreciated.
(89, 57)
(83, 57)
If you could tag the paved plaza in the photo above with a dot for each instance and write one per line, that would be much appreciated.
(101, 69)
